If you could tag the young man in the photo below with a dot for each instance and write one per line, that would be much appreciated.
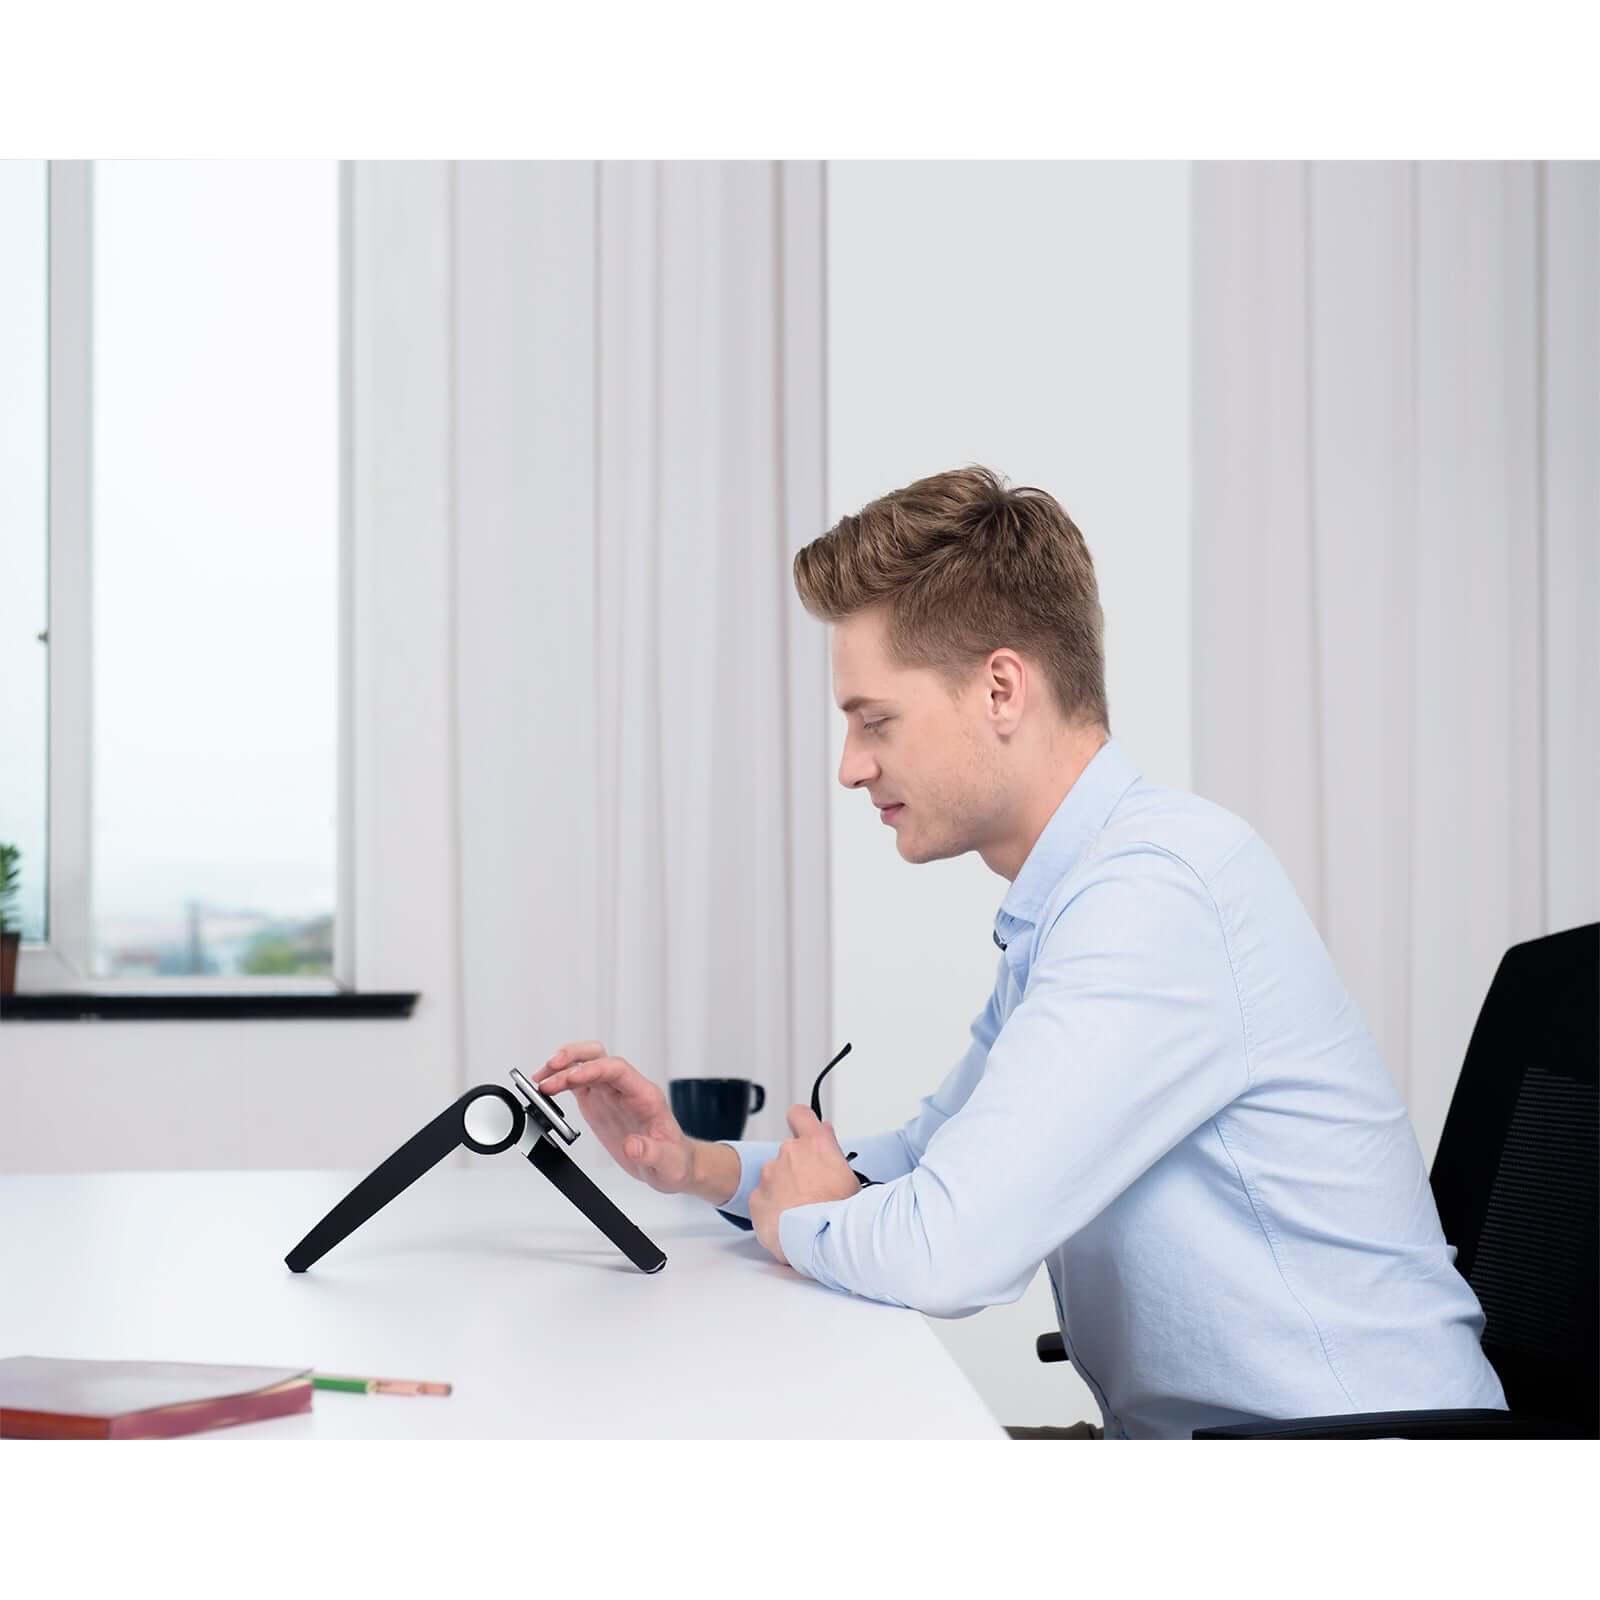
(1169, 1099)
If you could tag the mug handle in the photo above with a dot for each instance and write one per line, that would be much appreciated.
(760, 1099)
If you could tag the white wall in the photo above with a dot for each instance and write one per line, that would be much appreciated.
(1033, 317)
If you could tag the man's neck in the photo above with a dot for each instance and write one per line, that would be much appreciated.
(1008, 856)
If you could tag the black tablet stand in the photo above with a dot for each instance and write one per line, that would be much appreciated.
(490, 1107)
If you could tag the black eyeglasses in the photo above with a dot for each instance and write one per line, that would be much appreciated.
(816, 1105)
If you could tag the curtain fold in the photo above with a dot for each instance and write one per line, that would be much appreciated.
(641, 453)
(1395, 596)
(712, 680)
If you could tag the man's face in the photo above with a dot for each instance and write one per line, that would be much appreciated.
(908, 742)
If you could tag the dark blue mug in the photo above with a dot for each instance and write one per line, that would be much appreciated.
(715, 1108)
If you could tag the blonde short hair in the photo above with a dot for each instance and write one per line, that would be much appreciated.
(966, 564)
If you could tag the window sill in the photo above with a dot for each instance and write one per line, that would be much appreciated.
(66, 1006)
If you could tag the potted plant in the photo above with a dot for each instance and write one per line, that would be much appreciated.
(10, 938)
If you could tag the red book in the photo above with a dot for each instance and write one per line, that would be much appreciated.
(43, 1397)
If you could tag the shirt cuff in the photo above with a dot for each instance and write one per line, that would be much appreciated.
(753, 1155)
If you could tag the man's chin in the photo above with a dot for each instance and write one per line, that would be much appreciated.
(916, 851)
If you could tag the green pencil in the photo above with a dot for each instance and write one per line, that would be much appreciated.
(328, 1380)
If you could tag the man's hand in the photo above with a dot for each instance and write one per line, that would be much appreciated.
(628, 1113)
(807, 1168)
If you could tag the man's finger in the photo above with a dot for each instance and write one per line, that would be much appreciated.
(803, 1122)
(570, 1055)
(606, 1070)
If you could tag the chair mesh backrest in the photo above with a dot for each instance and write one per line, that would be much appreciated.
(1515, 1179)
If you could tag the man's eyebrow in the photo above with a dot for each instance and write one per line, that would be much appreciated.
(856, 701)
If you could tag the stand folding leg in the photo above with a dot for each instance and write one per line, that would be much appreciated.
(447, 1132)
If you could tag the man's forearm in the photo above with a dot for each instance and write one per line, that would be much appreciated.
(715, 1173)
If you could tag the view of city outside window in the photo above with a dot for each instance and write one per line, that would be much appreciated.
(215, 509)
(24, 592)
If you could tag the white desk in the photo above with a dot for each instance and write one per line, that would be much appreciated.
(487, 1279)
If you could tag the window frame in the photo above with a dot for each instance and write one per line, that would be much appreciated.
(63, 961)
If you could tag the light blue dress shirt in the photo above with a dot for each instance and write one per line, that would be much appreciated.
(1172, 1103)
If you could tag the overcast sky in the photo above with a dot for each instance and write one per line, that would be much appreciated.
(215, 530)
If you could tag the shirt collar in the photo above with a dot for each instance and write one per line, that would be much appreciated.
(1072, 827)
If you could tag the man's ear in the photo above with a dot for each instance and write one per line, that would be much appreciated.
(1007, 687)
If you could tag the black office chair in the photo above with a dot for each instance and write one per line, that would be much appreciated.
(1515, 1184)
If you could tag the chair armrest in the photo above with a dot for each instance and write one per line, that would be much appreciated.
(1402, 1425)
(1051, 1348)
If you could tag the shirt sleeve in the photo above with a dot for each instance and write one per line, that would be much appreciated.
(1128, 1037)
(753, 1155)
(885, 1156)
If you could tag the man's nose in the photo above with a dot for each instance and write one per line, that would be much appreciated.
(856, 767)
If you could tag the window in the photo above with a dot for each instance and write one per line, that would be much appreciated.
(24, 615)
(194, 541)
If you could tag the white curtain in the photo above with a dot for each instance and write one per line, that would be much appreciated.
(644, 760)
(1397, 565)
(713, 681)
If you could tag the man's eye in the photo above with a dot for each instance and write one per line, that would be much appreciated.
(869, 727)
